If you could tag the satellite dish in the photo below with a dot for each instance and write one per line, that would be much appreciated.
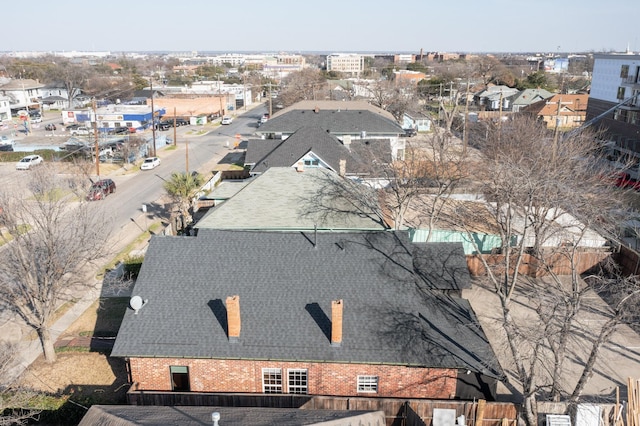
(136, 303)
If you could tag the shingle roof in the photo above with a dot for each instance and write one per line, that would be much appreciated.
(285, 199)
(570, 105)
(337, 122)
(358, 153)
(129, 415)
(286, 282)
(529, 96)
(335, 105)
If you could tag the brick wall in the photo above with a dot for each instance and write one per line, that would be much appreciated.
(207, 375)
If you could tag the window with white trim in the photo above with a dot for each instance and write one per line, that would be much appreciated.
(271, 380)
(298, 381)
(368, 384)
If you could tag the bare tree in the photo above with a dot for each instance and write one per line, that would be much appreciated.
(14, 401)
(308, 84)
(393, 97)
(73, 77)
(546, 196)
(49, 240)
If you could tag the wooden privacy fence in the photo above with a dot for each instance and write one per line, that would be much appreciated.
(530, 266)
(398, 412)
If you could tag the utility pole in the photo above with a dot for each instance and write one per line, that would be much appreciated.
(270, 107)
(186, 155)
(95, 136)
(153, 118)
(557, 127)
(465, 136)
(175, 131)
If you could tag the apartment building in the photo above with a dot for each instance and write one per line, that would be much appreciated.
(613, 100)
(347, 63)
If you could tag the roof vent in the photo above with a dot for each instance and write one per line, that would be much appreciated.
(316, 110)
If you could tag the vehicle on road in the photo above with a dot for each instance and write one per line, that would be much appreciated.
(164, 125)
(50, 127)
(27, 162)
(264, 118)
(150, 163)
(227, 120)
(6, 143)
(82, 131)
(100, 189)
(36, 118)
(119, 131)
(409, 133)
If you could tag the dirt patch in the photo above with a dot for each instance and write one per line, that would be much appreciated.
(83, 372)
(102, 318)
(89, 375)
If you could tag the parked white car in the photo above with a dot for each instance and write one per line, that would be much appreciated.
(227, 119)
(28, 161)
(150, 163)
(82, 131)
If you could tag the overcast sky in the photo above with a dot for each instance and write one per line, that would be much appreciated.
(325, 26)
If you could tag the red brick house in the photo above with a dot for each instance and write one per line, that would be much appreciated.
(366, 314)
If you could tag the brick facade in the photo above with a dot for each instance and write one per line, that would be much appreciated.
(239, 376)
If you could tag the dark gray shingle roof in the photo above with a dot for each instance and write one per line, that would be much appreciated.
(358, 154)
(129, 415)
(337, 122)
(286, 282)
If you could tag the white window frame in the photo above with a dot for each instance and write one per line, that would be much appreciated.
(274, 387)
(367, 384)
(294, 373)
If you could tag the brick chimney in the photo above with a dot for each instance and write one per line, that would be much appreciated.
(233, 317)
(336, 322)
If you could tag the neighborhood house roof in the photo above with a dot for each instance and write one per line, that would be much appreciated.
(286, 281)
(335, 105)
(336, 122)
(284, 199)
(359, 154)
(130, 415)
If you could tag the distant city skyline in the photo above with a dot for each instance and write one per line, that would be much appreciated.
(546, 26)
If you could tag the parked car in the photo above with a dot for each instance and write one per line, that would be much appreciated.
(264, 118)
(6, 143)
(150, 163)
(82, 131)
(72, 126)
(164, 125)
(27, 162)
(182, 122)
(100, 189)
(36, 118)
(120, 131)
(227, 119)
(410, 132)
